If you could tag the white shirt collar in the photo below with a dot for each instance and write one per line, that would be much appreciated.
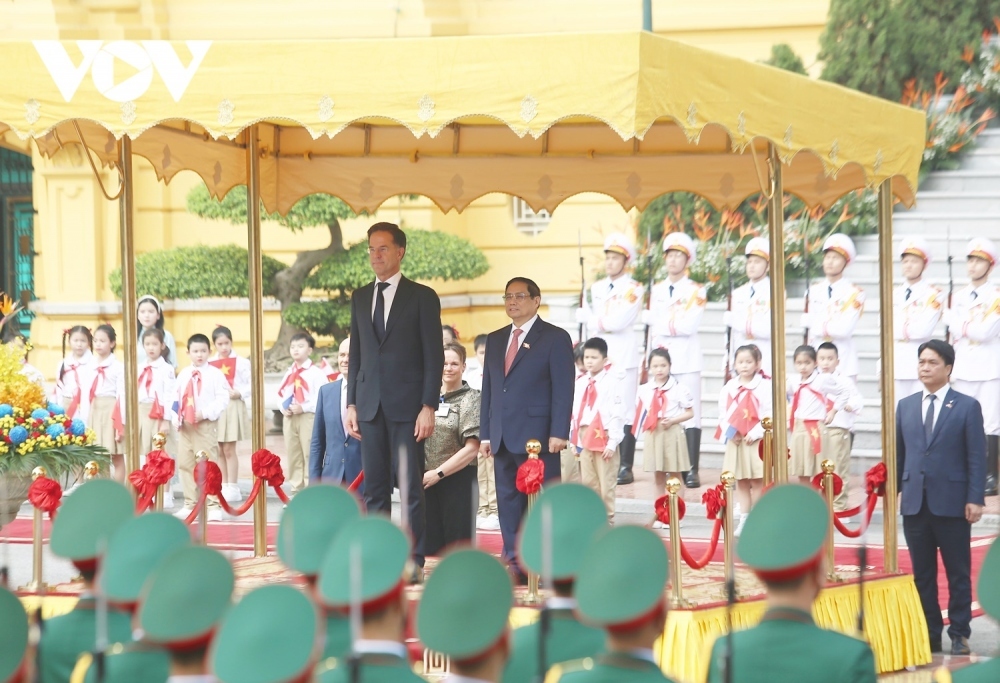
(381, 647)
(305, 366)
(526, 327)
(940, 394)
(393, 280)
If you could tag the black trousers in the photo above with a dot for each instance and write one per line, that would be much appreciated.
(511, 503)
(451, 509)
(382, 443)
(925, 535)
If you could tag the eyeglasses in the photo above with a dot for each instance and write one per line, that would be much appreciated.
(520, 296)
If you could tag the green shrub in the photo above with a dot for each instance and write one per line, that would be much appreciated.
(784, 57)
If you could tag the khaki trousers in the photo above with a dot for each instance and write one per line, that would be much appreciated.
(298, 432)
(487, 486)
(837, 447)
(569, 465)
(602, 476)
(201, 436)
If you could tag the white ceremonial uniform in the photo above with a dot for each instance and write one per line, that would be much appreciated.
(614, 311)
(750, 319)
(974, 322)
(674, 316)
(917, 311)
(834, 311)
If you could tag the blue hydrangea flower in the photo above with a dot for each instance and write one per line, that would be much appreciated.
(40, 414)
(18, 435)
(6, 410)
(54, 409)
(55, 431)
(78, 427)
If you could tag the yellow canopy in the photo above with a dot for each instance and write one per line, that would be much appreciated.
(542, 117)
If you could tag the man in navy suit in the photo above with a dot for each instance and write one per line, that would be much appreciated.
(394, 381)
(335, 455)
(527, 394)
(941, 465)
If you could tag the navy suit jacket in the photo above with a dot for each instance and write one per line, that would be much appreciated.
(333, 455)
(535, 400)
(952, 467)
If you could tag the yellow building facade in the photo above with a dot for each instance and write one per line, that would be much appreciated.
(76, 228)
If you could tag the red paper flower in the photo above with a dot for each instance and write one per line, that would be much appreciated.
(208, 475)
(838, 483)
(267, 466)
(159, 468)
(45, 494)
(140, 482)
(714, 501)
(662, 508)
(530, 476)
(875, 479)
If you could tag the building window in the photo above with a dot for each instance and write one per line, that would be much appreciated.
(527, 221)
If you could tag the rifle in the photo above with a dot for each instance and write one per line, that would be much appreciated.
(582, 331)
(644, 368)
(727, 657)
(729, 308)
(354, 576)
(545, 616)
(805, 255)
(951, 286)
(862, 560)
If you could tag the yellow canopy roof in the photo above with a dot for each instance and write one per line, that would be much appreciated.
(542, 117)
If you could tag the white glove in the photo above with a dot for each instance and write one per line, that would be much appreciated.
(727, 318)
(805, 320)
(582, 316)
(646, 317)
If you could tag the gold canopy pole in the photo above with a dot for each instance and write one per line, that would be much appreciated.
(130, 331)
(888, 385)
(255, 281)
(776, 230)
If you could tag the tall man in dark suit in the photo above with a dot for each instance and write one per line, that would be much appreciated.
(394, 377)
(527, 394)
(334, 455)
(941, 465)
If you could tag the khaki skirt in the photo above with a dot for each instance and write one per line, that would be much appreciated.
(233, 423)
(805, 460)
(148, 429)
(665, 450)
(743, 460)
(101, 411)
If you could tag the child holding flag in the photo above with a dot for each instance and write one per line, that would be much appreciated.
(663, 405)
(743, 403)
(102, 396)
(233, 424)
(599, 422)
(815, 398)
(297, 395)
(201, 399)
(73, 371)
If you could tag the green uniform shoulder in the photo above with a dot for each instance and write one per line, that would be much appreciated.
(374, 669)
(125, 663)
(607, 668)
(982, 672)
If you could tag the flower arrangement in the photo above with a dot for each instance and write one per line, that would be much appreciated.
(982, 77)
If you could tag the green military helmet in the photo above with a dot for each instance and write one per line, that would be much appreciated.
(310, 523)
(185, 597)
(784, 533)
(988, 586)
(630, 556)
(135, 551)
(578, 513)
(88, 518)
(383, 551)
(466, 604)
(13, 635)
(272, 635)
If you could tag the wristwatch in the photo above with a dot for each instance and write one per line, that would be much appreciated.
(441, 474)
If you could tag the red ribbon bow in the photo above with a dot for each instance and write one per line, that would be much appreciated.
(530, 476)
(714, 500)
(45, 494)
(875, 479)
(267, 466)
(208, 476)
(662, 509)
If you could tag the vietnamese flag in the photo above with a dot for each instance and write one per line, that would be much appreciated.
(595, 437)
(116, 420)
(745, 416)
(228, 368)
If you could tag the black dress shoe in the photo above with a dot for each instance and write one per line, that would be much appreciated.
(625, 477)
(692, 480)
(960, 646)
(936, 648)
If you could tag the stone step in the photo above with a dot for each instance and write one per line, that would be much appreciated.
(926, 223)
(862, 459)
(982, 158)
(961, 201)
(961, 180)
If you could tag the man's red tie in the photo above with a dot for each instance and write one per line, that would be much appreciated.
(511, 351)
(97, 381)
(193, 388)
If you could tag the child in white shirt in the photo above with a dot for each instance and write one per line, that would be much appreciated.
(233, 425)
(102, 385)
(73, 370)
(839, 433)
(815, 399)
(297, 396)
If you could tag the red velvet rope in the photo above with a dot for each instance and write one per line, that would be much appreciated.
(713, 543)
(850, 533)
(356, 484)
(266, 468)
(46, 495)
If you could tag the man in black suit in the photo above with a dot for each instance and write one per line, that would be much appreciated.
(941, 469)
(394, 377)
(528, 382)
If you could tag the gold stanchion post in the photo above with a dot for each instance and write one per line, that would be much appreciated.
(828, 469)
(159, 441)
(768, 426)
(728, 480)
(776, 229)
(202, 456)
(130, 330)
(885, 259)
(534, 447)
(676, 580)
(37, 584)
(255, 279)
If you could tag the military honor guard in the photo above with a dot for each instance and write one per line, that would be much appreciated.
(783, 543)
(615, 305)
(974, 323)
(307, 528)
(182, 603)
(750, 313)
(635, 557)
(988, 591)
(134, 553)
(13, 639)
(272, 635)
(464, 614)
(80, 533)
(675, 310)
(834, 304)
(366, 569)
(917, 309)
(575, 516)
